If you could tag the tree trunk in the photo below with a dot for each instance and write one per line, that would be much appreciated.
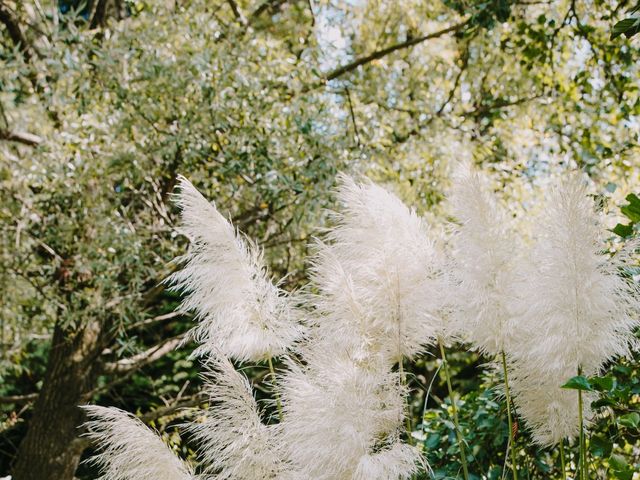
(50, 450)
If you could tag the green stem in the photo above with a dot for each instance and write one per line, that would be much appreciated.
(454, 410)
(512, 439)
(583, 456)
(564, 470)
(407, 416)
(275, 387)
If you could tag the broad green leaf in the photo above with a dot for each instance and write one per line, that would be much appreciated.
(617, 462)
(600, 446)
(603, 402)
(624, 474)
(432, 442)
(630, 420)
(632, 211)
(602, 384)
(620, 467)
(628, 27)
(623, 231)
(578, 383)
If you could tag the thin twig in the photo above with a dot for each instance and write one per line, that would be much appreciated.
(353, 117)
(19, 398)
(144, 358)
(236, 12)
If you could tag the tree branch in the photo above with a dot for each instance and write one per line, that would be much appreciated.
(464, 59)
(353, 117)
(15, 32)
(498, 105)
(160, 318)
(141, 359)
(19, 398)
(349, 67)
(188, 402)
(236, 12)
(263, 7)
(21, 137)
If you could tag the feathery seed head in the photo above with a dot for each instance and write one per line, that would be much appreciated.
(233, 442)
(238, 308)
(579, 312)
(337, 411)
(379, 271)
(128, 450)
(484, 254)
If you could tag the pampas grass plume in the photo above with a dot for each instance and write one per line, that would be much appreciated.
(578, 313)
(234, 443)
(238, 308)
(129, 450)
(484, 252)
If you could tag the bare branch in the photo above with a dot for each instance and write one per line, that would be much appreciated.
(141, 359)
(187, 402)
(499, 105)
(19, 398)
(464, 58)
(21, 137)
(99, 14)
(353, 117)
(349, 67)
(160, 318)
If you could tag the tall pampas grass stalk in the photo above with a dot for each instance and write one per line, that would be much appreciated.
(562, 460)
(393, 265)
(484, 269)
(578, 313)
(341, 416)
(379, 294)
(380, 273)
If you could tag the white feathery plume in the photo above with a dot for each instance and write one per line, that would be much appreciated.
(233, 442)
(484, 254)
(129, 450)
(339, 415)
(550, 412)
(380, 258)
(238, 308)
(578, 312)
(395, 461)
(379, 290)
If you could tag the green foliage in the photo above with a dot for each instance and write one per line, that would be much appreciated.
(483, 422)
(483, 13)
(628, 26)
